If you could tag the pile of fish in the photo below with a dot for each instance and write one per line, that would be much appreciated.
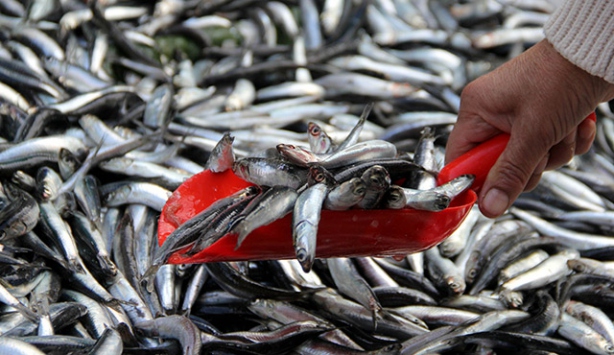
(106, 107)
(304, 181)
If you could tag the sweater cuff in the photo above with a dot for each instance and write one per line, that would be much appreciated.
(583, 32)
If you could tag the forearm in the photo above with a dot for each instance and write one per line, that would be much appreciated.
(582, 31)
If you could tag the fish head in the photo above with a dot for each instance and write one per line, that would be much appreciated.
(250, 191)
(318, 174)
(395, 198)
(376, 177)
(241, 168)
(513, 299)
(395, 194)
(313, 129)
(304, 259)
(457, 286)
(295, 154)
(318, 139)
(358, 187)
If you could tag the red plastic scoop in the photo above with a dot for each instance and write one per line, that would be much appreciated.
(341, 233)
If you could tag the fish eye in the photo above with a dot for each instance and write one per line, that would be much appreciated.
(319, 177)
(315, 130)
(360, 190)
(301, 255)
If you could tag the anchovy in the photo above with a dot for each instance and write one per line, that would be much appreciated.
(165, 177)
(38, 150)
(73, 76)
(444, 272)
(157, 110)
(222, 223)
(319, 141)
(393, 72)
(149, 194)
(351, 284)
(590, 266)
(145, 93)
(88, 197)
(297, 155)
(592, 316)
(88, 233)
(290, 89)
(484, 249)
(273, 204)
(165, 287)
(109, 342)
(523, 264)
(235, 283)
(584, 336)
(508, 253)
(7, 298)
(282, 338)
(359, 152)
(15, 346)
(97, 318)
(550, 270)
(389, 324)
(394, 198)
(268, 172)
(176, 327)
(455, 187)
(305, 221)
(579, 241)
(427, 200)
(19, 216)
(345, 195)
(187, 233)
(195, 285)
(545, 319)
(456, 242)
(437, 316)
(377, 181)
(58, 231)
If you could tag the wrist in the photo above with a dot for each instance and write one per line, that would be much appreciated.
(590, 90)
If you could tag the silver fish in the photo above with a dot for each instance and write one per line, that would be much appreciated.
(305, 221)
(273, 204)
(345, 195)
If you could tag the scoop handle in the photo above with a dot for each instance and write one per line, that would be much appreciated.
(479, 160)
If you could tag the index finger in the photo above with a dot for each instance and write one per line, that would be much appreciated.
(468, 132)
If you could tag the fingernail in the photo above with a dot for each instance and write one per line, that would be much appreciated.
(495, 202)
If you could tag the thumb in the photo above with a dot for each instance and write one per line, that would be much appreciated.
(519, 164)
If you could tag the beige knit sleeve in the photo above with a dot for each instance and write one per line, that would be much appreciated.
(583, 32)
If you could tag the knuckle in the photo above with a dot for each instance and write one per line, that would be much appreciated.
(513, 176)
(471, 90)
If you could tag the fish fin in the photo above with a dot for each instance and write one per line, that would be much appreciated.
(241, 237)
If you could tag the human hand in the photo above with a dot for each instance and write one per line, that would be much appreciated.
(541, 100)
